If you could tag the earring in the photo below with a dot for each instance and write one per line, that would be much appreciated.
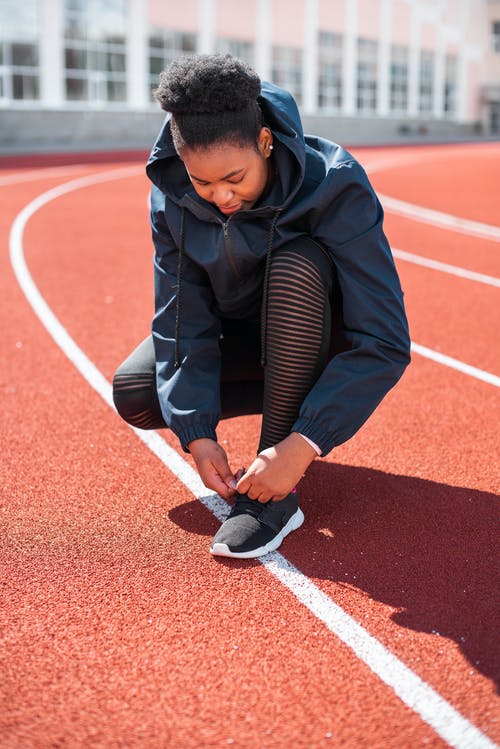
(271, 147)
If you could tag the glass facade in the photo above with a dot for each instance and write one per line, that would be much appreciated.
(237, 47)
(287, 70)
(95, 61)
(19, 50)
(367, 76)
(399, 78)
(164, 46)
(450, 86)
(426, 82)
(495, 38)
(494, 117)
(330, 49)
(91, 68)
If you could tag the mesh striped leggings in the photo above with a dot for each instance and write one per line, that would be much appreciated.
(297, 347)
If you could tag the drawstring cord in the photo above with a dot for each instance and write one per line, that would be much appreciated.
(177, 363)
(263, 320)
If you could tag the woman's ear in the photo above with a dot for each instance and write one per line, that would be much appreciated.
(265, 142)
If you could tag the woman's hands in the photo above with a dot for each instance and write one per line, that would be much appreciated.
(277, 470)
(272, 475)
(212, 465)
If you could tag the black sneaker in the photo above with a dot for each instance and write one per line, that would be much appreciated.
(253, 529)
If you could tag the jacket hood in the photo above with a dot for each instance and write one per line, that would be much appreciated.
(166, 170)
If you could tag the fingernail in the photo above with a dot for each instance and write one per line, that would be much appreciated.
(232, 484)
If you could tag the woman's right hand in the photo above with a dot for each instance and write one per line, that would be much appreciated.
(213, 467)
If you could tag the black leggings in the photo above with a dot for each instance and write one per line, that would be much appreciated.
(298, 345)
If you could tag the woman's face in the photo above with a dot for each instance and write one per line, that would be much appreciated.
(231, 177)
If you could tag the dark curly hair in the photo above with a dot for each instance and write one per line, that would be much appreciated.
(212, 99)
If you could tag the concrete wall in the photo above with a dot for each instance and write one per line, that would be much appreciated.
(32, 131)
(35, 131)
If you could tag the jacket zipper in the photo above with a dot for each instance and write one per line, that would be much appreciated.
(229, 249)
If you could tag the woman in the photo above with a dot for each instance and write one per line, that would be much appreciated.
(261, 235)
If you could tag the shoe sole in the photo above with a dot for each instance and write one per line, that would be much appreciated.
(223, 550)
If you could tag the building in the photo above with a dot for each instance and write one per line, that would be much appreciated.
(380, 70)
(490, 100)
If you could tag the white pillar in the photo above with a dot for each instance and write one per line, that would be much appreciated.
(263, 39)
(310, 68)
(462, 83)
(206, 26)
(384, 58)
(52, 54)
(414, 64)
(137, 55)
(350, 58)
(463, 64)
(439, 75)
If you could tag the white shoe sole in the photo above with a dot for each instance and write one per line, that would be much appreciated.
(223, 550)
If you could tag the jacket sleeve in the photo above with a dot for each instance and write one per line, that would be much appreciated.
(349, 225)
(189, 394)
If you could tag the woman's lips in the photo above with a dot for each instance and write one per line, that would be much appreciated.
(227, 209)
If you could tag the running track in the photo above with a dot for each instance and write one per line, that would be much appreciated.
(376, 625)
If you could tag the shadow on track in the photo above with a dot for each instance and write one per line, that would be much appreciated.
(426, 549)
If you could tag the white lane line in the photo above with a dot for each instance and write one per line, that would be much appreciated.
(446, 721)
(33, 175)
(380, 163)
(420, 213)
(454, 270)
(440, 219)
(460, 366)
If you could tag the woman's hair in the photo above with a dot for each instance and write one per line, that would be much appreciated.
(213, 100)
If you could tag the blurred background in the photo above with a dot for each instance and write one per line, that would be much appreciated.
(79, 74)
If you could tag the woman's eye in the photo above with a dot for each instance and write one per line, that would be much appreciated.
(235, 181)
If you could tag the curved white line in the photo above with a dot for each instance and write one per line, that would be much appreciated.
(454, 270)
(392, 205)
(410, 688)
(33, 175)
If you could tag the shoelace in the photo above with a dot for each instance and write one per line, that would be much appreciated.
(243, 505)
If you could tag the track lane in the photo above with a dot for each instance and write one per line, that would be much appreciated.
(112, 632)
(446, 178)
(83, 285)
(462, 330)
(454, 316)
(107, 581)
(479, 255)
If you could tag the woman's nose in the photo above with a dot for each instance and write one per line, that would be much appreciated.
(223, 195)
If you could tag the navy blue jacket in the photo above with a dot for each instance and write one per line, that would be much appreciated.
(209, 266)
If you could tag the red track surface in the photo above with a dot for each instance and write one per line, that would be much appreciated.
(118, 628)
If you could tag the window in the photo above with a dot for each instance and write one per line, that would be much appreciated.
(495, 37)
(95, 50)
(287, 70)
(367, 75)
(494, 118)
(450, 86)
(330, 71)
(399, 78)
(19, 50)
(426, 88)
(164, 46)
(237, 47)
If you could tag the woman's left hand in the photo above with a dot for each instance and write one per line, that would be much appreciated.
(277, 470)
